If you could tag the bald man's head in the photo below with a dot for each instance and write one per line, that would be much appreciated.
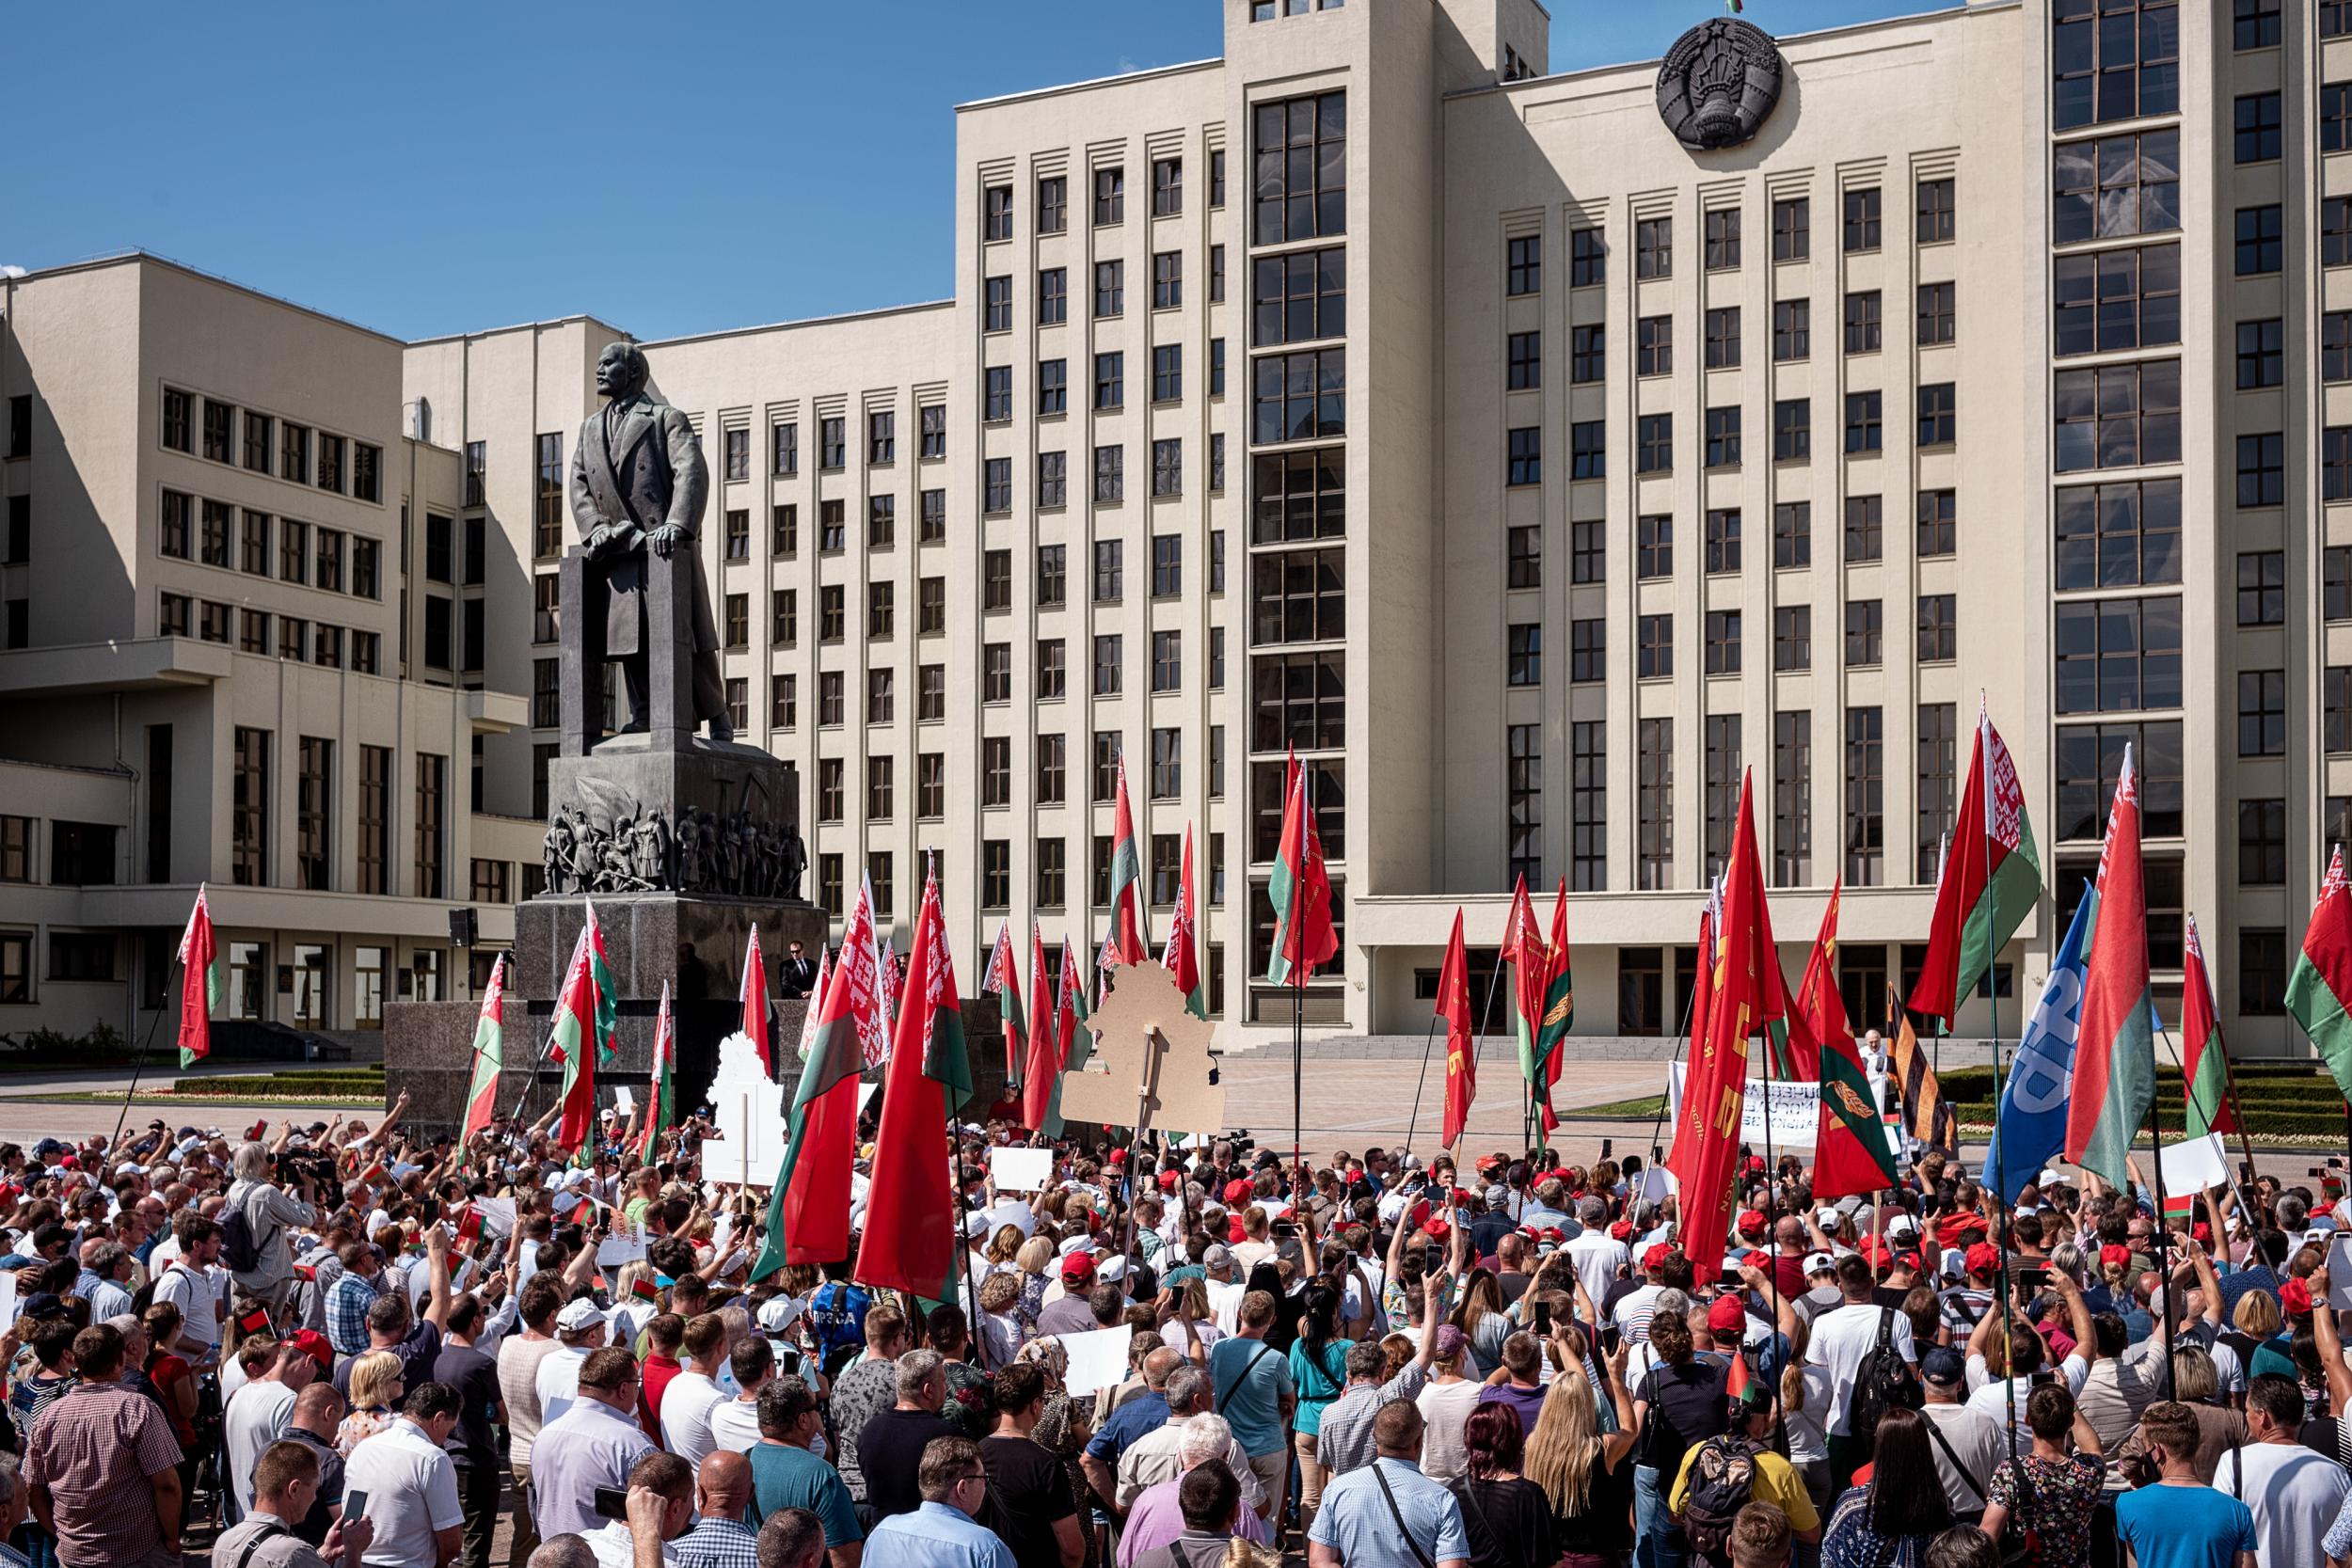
(1158, 1364)
(724, 1484)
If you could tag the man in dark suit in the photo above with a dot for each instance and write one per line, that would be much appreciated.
(639, 483)
(799, 973)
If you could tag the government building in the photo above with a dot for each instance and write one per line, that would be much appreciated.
(1372, 391)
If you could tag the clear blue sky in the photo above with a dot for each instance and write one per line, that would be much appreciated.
(432, 167)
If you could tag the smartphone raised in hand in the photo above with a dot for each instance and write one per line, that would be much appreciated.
(612, 1503)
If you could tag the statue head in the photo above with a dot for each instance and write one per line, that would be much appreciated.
(621, 370)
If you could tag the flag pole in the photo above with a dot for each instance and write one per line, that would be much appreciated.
(1428, 1043)
(139, 1060)
(2005, 1200)
(2164, 1229)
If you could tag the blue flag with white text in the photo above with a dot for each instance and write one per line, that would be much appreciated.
(2031, 1128)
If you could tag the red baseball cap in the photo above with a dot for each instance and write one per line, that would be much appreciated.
(1983, 1257)
(1750, 1219)
(1237, 1191)
(1726, 1316)
(1436, 1231)
(1656, 1257)
(1622, 1230)
(2115, 1252)
(310, 1342)
(1078, 1265)
(2295, 1296)
(1168, 1180)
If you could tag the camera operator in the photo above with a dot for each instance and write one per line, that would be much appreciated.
(268, 1210)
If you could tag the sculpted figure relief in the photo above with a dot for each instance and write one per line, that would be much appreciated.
(639, 483)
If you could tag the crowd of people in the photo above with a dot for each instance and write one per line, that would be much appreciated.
(355, 1343)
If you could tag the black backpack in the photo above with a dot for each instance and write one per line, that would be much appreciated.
(1723, 1481)
(240, 1248)
(1882, 1383)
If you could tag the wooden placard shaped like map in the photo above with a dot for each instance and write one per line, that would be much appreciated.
(1150, 1063)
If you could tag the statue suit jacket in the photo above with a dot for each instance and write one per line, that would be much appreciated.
(650, 474)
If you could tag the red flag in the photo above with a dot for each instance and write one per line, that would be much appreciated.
(1005, 980)
(2208, 1081)
(1743, 997)
(1041, 1072)
(1461, 1050)
(2115, 1043)
(1850, 1149)
(755, 998)
(1709, 912)
(913, 1232)
(1300, 891)
(814, 1212)
(583, 1023)
(653, 1116)
(1556, 1005)
(1990, 881)
(1819, 1008)
(1178, 956)
(199, 983)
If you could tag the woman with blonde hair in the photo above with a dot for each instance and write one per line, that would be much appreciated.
(1002, 1248)
(377, 1388)
(1036, 1261)
(1585, 1474)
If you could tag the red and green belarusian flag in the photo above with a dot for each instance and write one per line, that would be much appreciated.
(1179, 957)
(1003, 980)
(1850, 1153)
(913, 1220)
(662, 1091)
(888, 979)
(2321, 986)
(2115, 1044)
(1075, 1043)
(1041, 1075)
(1300, 891)
(1559, 1004)
(2205, 1057)
(1126, 880)
(585, 1012)
(1743, 995)
(753, 994)
(489, 1058)
(1461, 1047)
(1990, 881)
(814, 1008)
(808, 1208)
(199, 983)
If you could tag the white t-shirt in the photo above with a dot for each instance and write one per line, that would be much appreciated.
(412, 1492)
(1225, 1305)
(1632, 1315)
(1992, 1397)
(198, 1299)
(1597, 1256)
(251, 1421)
(686, 1405)
(1840, 1340)
(734, 1425)
(557, 1382)
(1976, 1442)
(2295, 1493)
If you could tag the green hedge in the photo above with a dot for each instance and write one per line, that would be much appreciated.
(278, 1084)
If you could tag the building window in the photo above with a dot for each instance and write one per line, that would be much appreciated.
(2256, 25)
(2262, 713)
(1053, 567)
(1053, 674)
(1653, 546)
(2119, 415)
(2257, 126)
(1722, 542)
(1937, 211)
(2261, 239)
(1653, 646)
(787, 455)
(1654, 444)
(1525, 665)
(995, 305)
(1863, 322)
(2118, 655)
(1168, 661)
(1722, 338)
(1720, 802)
(1217, 274)
(1654, 345)
(1301, 168)
(1525, 459)
(1792, 430)
(2116, 185)
(1052, 204)
(1588, 559)
(1524, 264)
(2125, 534)
(1523, 553)
(1936, 313)
(739, 455)
(1588, 651)
(1110, 474)
(1167, 279)
(1110, 197)
(1792, 330)
(996, 485)
(1588, 802)
(1865, 416)
(930, 785)
(1168, 372)
(1938, 631)
(248, 862)
(832, 446)
(432, 793)
(2335, 708)
(1792, 534)
(1051, 859)
(1109, 666)
(1653, 805)
(1524, 362)
(1588, 256)
(2115, 66)
(1866, 797)
(1588, 449)
(1722, 631)
(1723, 239)
(1864, 632)
(1862, 220)
(784, 702)
(1167, 767)
(1792, 225)
(1939, 415)
(1588, 355)
(1654, 247)
(1722, 438)
(2261, 354)
(1865, 537)
(996, 393)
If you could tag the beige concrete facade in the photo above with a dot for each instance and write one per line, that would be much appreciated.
(1572, 473)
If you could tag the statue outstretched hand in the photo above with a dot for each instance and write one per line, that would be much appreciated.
(667, 538)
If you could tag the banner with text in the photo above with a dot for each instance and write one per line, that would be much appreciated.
(1795, 1109)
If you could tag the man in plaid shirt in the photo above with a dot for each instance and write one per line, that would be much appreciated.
(722, 1539)
(348, 1299)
